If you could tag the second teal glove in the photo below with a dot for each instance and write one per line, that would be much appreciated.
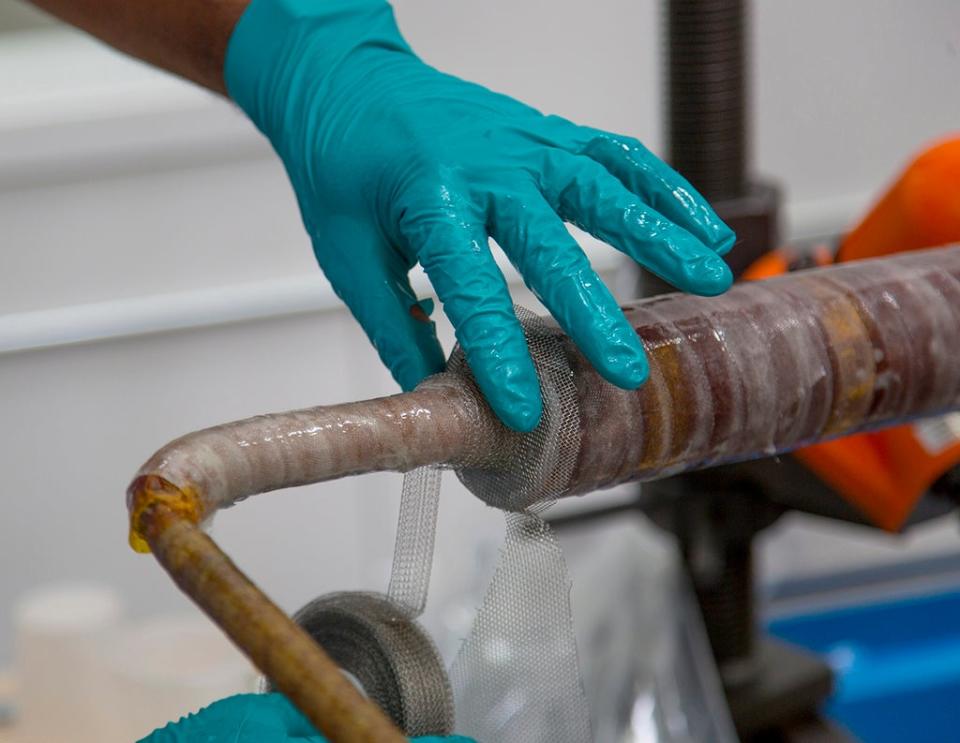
(251, 718)
(395, 163)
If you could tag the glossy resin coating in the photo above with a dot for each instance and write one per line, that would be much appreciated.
(765, 368)
(772, 365)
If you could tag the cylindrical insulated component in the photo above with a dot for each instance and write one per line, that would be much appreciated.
(767, 367)
(775, 364)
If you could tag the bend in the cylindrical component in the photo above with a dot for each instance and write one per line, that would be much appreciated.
(149, 495)
(444, 420)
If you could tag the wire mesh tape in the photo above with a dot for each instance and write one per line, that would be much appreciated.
(416, 530)
(516, 677)
(534, 466)
(375, 640)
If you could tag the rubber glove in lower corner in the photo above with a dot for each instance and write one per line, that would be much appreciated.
(394, 163)
(251, 718)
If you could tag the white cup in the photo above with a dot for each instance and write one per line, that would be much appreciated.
(59, 631)
(159, 670)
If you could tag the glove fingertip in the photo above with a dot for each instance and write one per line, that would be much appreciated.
(525, 416)
(508, 380)
(515, 398)
(711, 277)
(409, 349)
(410, 367)
(629, 374)
(726, 241)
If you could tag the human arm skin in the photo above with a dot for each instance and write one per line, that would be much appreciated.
(186, 37)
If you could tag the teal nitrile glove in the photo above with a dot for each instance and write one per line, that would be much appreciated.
(394, 162)
(251, 718)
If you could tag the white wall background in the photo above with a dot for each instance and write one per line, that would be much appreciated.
(120, 186)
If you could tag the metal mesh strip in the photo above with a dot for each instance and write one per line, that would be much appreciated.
(516, 678)
(416, 529)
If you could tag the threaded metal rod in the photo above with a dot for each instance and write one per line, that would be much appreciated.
(707, 94)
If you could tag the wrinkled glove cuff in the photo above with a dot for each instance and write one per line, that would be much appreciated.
(270, 39)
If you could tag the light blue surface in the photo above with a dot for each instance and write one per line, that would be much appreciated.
(394, 163)
(897, 665)
(251, 718)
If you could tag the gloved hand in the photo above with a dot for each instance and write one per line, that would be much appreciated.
(250, 718)
(394, 162)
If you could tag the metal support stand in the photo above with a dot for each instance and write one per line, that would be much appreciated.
(770, 686)
(707, 95)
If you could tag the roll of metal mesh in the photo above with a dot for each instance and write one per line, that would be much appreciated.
(376, 641)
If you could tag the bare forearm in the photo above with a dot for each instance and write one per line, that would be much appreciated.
(186, 37)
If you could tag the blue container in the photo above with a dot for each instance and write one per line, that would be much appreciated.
(897, 665)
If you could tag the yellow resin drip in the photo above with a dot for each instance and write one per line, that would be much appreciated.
(151, 491)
